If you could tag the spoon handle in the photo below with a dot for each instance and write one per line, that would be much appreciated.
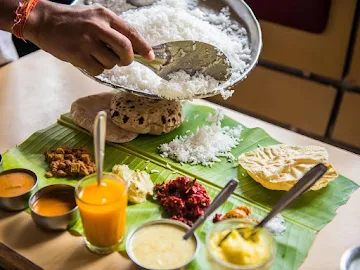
(99, 143)
(306, 182)
(162, 57)
(223, 195)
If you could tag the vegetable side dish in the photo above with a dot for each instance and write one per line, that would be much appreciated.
(183, 199)
(69, 161)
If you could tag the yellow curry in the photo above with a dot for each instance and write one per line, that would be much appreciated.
(230, 246)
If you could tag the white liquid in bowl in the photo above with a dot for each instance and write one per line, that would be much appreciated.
(161, 246)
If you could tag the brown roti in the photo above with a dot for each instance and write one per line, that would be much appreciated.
(83, 113)
(145, 115)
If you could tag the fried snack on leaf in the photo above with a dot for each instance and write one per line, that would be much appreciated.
(279, 167)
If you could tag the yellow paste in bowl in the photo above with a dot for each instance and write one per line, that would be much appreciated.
(230, 246)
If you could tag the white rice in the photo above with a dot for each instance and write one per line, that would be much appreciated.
(206, 145)
(276, 225)
(170, 20)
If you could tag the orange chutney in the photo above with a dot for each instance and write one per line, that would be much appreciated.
(54, 204)
(103, 212)
(16, 183)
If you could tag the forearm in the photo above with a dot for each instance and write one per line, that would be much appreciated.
(89, 37)
(7, 13)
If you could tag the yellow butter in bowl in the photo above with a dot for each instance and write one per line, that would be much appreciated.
(227, 248)
(237, 250)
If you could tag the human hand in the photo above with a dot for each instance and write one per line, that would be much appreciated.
(89, 37)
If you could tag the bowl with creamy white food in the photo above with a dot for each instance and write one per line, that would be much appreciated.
(159, 244)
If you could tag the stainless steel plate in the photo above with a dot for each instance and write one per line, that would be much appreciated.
(239, 12)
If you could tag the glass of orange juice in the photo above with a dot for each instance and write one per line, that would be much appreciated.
(103, 211)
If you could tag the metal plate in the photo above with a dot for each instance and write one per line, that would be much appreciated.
(239, 12)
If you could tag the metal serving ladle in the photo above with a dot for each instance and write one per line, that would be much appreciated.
(190, 56)
(187, 55)
(99, 143)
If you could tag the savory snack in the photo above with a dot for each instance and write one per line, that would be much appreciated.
(238, 246)
(67, 161)
(140, 184)
(279, 167)
(83, 113)
(145, 115)
(160, 245)
(183, 199)
(239, 212)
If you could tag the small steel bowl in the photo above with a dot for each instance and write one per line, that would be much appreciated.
(19, 202)
(349, 257)
(1, 161)
(160, 221)
(54, 223)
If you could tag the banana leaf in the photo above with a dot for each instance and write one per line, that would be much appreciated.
(303, 220)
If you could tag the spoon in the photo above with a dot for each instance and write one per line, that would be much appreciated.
(223, 195)
(190, 56)
(99, 143)
(306, 182)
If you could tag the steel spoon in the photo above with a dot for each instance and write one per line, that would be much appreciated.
(99, 143)
(306, 182)
(223, 195)
(190, 56)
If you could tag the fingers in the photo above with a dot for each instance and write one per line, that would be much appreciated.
(138, 42)
(90, 64)
(105, 56)
(119, 44)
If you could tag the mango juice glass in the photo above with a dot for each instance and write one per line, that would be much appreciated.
(103, 211)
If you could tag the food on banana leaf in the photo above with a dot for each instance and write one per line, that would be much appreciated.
(230, 246)
(279, 167)
(140, 184)
(67, 161)
(145, 115)
(206, 145)
(84, 111)
(239, 212)
(161, 246)
(275, 226)
(183, 199)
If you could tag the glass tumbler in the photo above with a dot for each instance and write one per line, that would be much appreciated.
(103, 211)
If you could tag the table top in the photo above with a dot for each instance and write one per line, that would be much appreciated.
(37, 89)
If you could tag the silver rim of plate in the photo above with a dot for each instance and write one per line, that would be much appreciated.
(242, 14)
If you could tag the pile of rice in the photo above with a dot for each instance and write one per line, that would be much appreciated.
(206, 145)
(171, 20)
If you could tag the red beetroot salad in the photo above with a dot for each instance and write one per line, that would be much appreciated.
(183, 199)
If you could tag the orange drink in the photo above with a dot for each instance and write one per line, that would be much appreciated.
(103, 211)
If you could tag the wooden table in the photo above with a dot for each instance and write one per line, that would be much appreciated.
(35, 90)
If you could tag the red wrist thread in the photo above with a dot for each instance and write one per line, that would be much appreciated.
(22, 14)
